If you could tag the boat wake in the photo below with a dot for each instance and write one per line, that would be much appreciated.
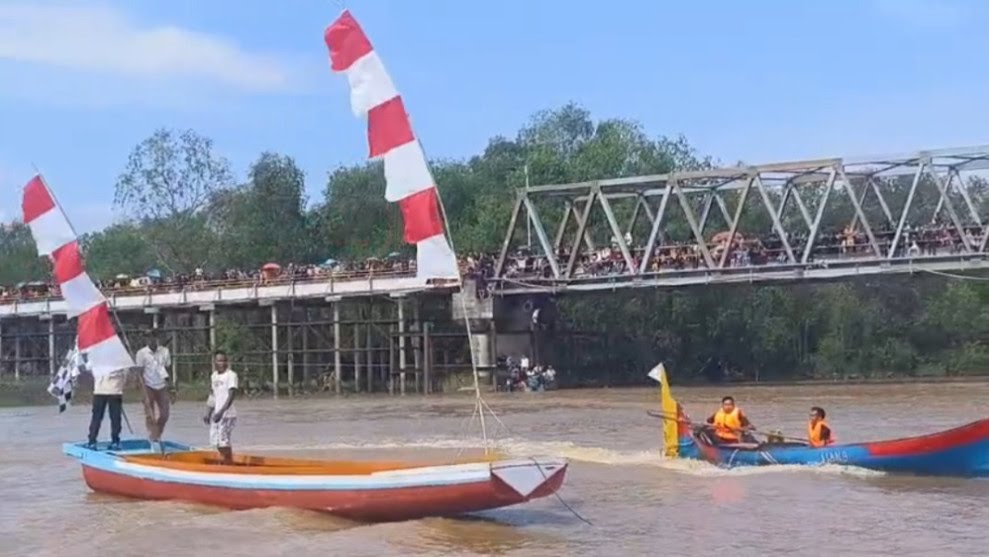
(706, 469)
(512, 447)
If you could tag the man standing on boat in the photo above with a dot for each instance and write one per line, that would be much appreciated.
(108, 393)
(730, 424)
(154, 361)
(221, 416)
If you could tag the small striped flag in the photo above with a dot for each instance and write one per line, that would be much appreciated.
(64, 379)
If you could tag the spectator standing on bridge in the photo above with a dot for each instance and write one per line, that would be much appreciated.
(154, 361)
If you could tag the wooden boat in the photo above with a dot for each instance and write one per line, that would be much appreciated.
(961, 452)
(364, 491)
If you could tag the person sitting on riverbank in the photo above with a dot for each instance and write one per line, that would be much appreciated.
(818, 431)
(540, 378)
(534, 379)
(730, 424)
(549, 377)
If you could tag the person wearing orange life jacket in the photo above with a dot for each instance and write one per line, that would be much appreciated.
(730, 423)
(819, 433)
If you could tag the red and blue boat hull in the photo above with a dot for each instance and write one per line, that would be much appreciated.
(960, 452)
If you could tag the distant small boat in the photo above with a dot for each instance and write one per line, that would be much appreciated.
(370, 491)
(960, 452)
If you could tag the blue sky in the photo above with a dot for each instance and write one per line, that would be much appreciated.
(82, 82)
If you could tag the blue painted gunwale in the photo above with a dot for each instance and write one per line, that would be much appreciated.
(111, 461)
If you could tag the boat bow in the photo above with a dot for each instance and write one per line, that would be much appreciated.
(526, 477)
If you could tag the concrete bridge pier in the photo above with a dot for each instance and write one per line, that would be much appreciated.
(403, 359)
(274, 349)
(337, 361)
(52, 357)
(521, 327)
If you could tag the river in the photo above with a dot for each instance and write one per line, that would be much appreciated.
(638, 503)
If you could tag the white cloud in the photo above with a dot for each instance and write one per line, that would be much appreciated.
(923, 13)
(100, 39)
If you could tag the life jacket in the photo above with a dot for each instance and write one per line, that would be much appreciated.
(727, 426)
(814, 432)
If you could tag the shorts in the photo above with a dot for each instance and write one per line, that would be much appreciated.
(219, 432)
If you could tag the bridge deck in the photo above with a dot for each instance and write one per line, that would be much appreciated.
(192, 296)
(508, 286)
(817, 271)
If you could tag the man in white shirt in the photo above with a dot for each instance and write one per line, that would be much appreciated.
(221, 416)
(154, 361)
(108, 392)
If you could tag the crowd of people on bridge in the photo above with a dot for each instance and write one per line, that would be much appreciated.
(200, 279)
(529, 264)
(743, 250)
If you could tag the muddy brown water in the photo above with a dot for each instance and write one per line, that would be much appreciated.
(638, 502)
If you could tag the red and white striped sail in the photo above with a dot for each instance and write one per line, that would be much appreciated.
(390, 137)
(55, 238)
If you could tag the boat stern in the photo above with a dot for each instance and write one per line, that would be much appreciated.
(82, 451)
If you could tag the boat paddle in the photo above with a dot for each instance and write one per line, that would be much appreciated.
(775, 434)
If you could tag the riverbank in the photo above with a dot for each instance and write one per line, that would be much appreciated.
(932, 379)
(32, 391)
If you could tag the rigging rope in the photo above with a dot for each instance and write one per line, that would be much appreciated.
(559, 497)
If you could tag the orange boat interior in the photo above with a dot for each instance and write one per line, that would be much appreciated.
(208, 461)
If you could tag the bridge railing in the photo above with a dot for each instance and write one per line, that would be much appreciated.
(234, 292)
(51, 291)
(866, 208)
(772, 272)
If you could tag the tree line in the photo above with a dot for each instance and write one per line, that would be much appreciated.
(186, 210)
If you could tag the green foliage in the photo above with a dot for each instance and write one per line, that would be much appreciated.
(120, 248)
(231, 336)
(19, 260)
(801, 331)
(169, 187)
(355, 220)
(265, 220)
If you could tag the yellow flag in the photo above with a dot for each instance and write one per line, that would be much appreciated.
(671, 437)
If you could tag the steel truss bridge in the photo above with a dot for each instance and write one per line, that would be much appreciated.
(816, 219)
